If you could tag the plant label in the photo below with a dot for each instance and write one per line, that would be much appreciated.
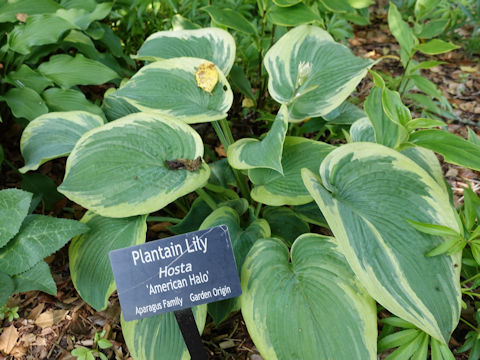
(175, 273)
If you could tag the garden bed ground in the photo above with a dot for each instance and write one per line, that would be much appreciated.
(49, 327)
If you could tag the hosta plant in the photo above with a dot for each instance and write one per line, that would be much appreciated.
(305, 295)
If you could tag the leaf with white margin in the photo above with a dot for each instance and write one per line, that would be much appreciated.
(119, 170)
(158, 337)
(367, 192)
(88, 254)
(310, 308)
(250, 153)
(169, 87)
(54, 135)
(242, 241)
(273, 188)
(312, 73)
(212, 44)
(362, 131)
(39, 237)
(14, 206)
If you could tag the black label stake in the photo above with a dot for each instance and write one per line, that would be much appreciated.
(188, 327)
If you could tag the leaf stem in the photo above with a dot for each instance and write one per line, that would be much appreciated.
(163, 219)
(207, 198)
(467, 323)
(257, 209)
(403, 78)
(260, 59)
(471, 279)
(181, 206)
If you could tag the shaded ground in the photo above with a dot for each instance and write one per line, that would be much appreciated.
(49, 327)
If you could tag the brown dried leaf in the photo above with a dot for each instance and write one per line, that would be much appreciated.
(19, 352)
(50, 317)
(220, 150)
(37, 310)
(21, 17)
(8, 339)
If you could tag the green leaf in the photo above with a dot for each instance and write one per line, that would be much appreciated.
(434, 229)
(25, 103)
(311, 214)
(286, 3)
(159, 337)
(366, 193)
(212, 44)
(242, 241)
(292, 16)
(119, 169)
(37, 277)
(181, 23)
(339, 6)
(2, 155)
(473, 137)
(11, 8)
(303, 68)
(69, 100)
(471, 207)
(88, 254)
(8, 287)
(398, 338)
(454, 149)
(440, 351)
(345, 114)
(424, 123)
(430, 105)
(362, 130)
(425, 85)
(445, 247)
(284, 223)
(67, 71)
(436, 46)
(240, 81)
(248, 153)
(423, 7)
(39, 237)
(179, 96)
(397, 322)
(402, 32)
(407, 350)
(104, 344)
(82, 18)
(38, 30)
(329, 316)
(231, 19)
(26, 77)
(14, 205)
(425, 65)
(387, 131)
(273, 188)
(54, 135)
(394, 108)
(43, 187)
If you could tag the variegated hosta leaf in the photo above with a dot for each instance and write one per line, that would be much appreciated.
(362, 131)
(212, 44)
(367, 192)
(119, 169)
(169, 87)
(310, 308)
(273, 188)
(242, 241)
(266, 153)
(387, 132)
(312, 73)
(14, 205)
(284, 223)
(39, 237)
(88, 254)
(158, 337)
(54, 135)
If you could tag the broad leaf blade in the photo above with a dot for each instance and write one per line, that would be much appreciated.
(212, 44)
(273, 188)
(69, 100)
(179, 96)
(292, 16)
(119, 169)
(311, 308)
(10, 9)
(26, 77)
(54, 135)
(8, 287)
(88, 254)
(242, 241)
(14, 205)
(37, 277)
(244, 154)
(159, 337)
(231, 19)
(285, 224)
(38, 237)
(366, 192)
(454, 149)
(304, 69)
(25, 103)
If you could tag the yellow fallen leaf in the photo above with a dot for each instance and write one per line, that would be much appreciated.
(207, 76)
(248, 103)
(8, 339)
(469, 69)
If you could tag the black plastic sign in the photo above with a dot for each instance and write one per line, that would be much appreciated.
(175, 273)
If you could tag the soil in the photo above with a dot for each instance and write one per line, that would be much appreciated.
(49, 327)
